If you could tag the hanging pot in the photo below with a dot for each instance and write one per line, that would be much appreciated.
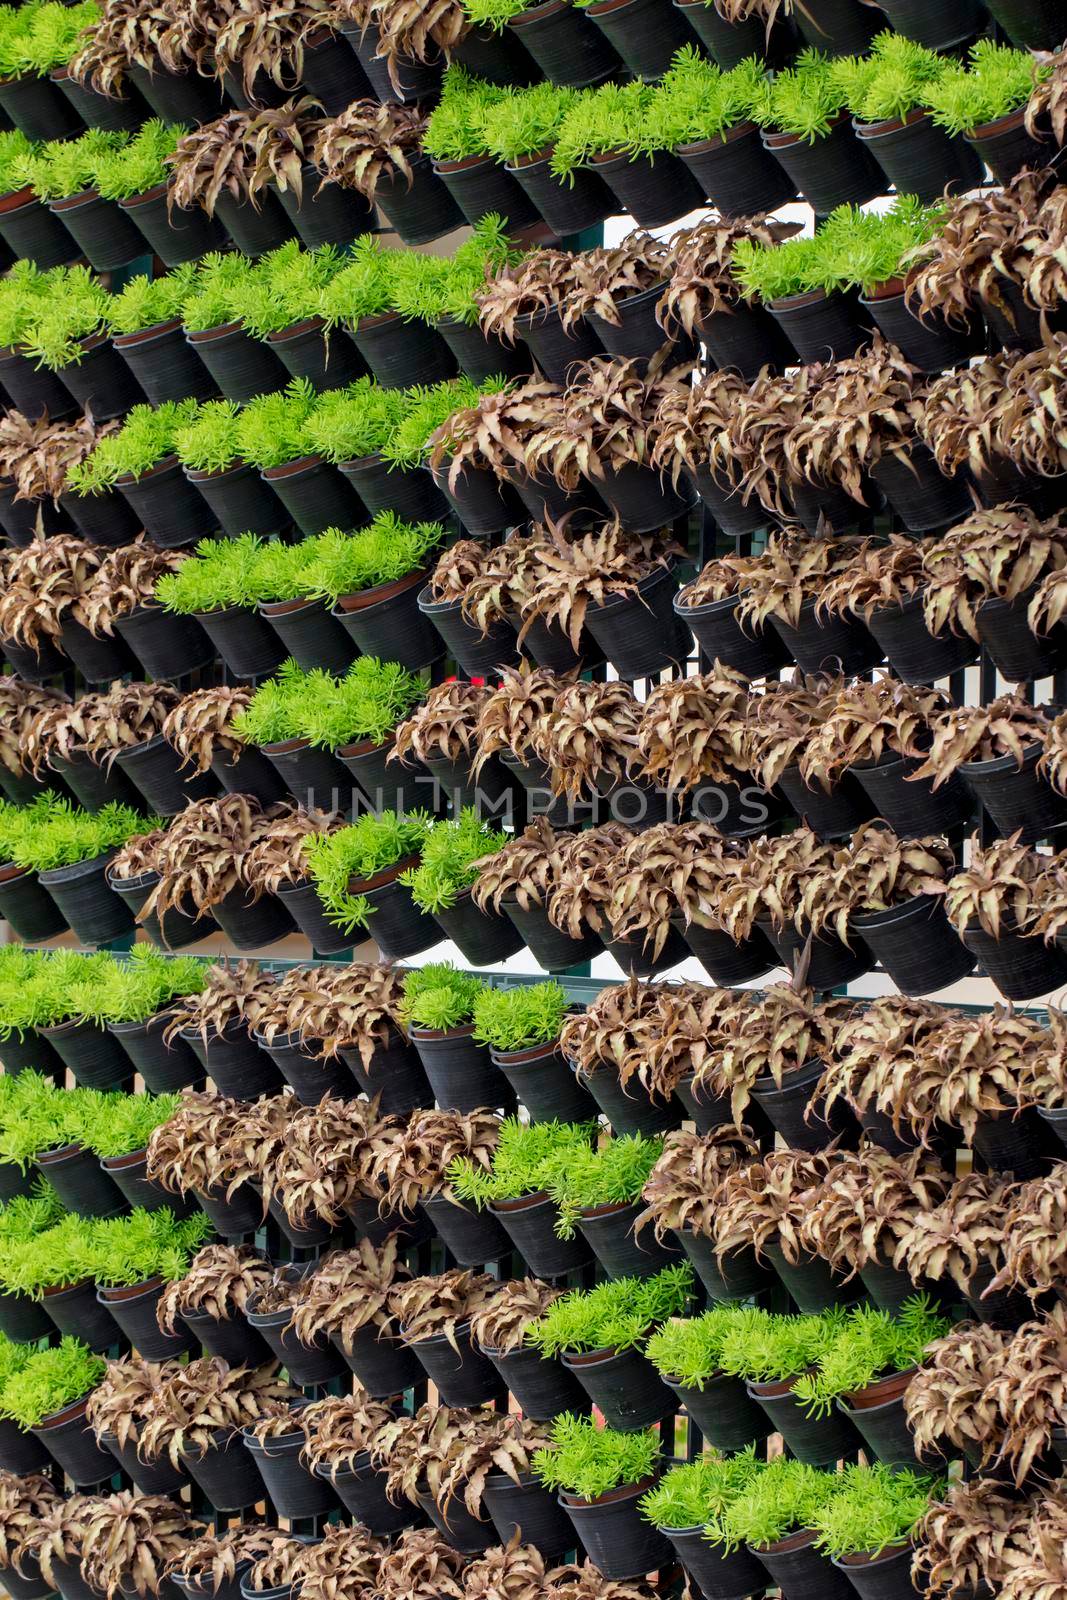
(1007, 148)
(236, 1065)
(1019, 655)
(931, 343)
(624, 1386)
(326, 213)
(529, 1220)
(832, 962)
(480, 186)
(167, 367)
(465, 1378)
(397, 925)
(168, 506)
(149, 1477)
(242, 367)
(388, 785)
(477, 654)
(75, 1172)
(74, 1310)
(551, 949)
(410, 81)
(394, 1072)
(916, 944)
(717, 1575)
(567, 207)
(129, 1175)
(103, 233)
(254, 229)
(644, 1113)
(1029, 24)
(644, 33)
(100, 380)
(134, 1309)
(306, 1364)
(555, 349)
(306, 350)
(294, 1490)
(311, 1077)
(1015, 796)
(832, 814)
(384, 1366)
(794, 1560)
(484, 504)
(178, 96)
(31, 911)
(362, 1493)
(838, 27)
(155, 768)
(737, 1276)
(315, 495)
(736, 170)
(83, 896)
(621, 1253)
(817, 644)
(817, 1441)
(920, 158)
(916, 655)
(938, 24)
(35, 106)
(302, 902)
(544, 1082)
(473, 1237)
(419, 211)
(460, 1072)
(798, 1113)
(729, 43)
(240, 501)
(411, 493)
(655, 190)
(922, 498)
(483, 938)
(167, 645)
(69, 1439)
(225, 1473)
(913, 810)
(830, 171)
(386, 621)
(173, 234)
(569, 49)
(617, 1539)
(821, 326)
(401, 354)
(165, 1067)
(640, 633)
(32, 232)
(249, 647)
(104, 519)
(34, 390)
(19, 518)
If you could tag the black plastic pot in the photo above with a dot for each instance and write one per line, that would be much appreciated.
(707, 1109)
(70, 1440)
(295, 1491)
(385, 1367)
(174, 235)
(305, 1364)
(655, 190)
(312, 1077)
(1018, 654)
(546, 644)
(554, 349)
(628, 1113)
(569, 49)
(817, 1441)
(315, 495)
(737, 172)
(622, 1253)
(813, 1286)
(821, 327)
(103, 233)
(490, 794)
(249, 923)
(913, 810)
(466, 1379)
(640, 633)
(33, 233)
(796, 1562)
(473, 1237)
(400, 354)
(938, 24)
(716, 1575)
(129, 1174)
(616, 1537)
(1007, 148)
(167, 505)
(249, 772)
(566, 208)
(528, 1511)
(637, 334)
(461, 1073)
(134, 1310)
(884, 1430)
(167, 645)
(150, 1477)
(1016, 798)
(642, 499)
(530, 1225)
(104, 519)
(310, 634)
(465, 1533)
(156, 770)
(796, 1114)
(230, 1337)
(241, 366)
(1029, 24)
(226, 1473)
(240, 501)
(330, 214)
(544, 1082)
(165, 1067)
(72, 1586)
(30, 910)
(23, 1320)
(728, 43)
(34, 390)
(387, 785)
(835, 170)
(101, 381)
(362, 1493)
(77, 1177)
(397, 925)
(551, 949)
(832, 644)
(484, 504)
(167, 367)
(327, 360)
(920, 158)
(915, 654)
(881, 1575)
(415, 80)
(1020, 1146)
(624, 1385)
(644, 33)
(724, 960)
(931, 344)
(179, 96)
(38, 109)
(255, 230)
(916, 944)
(98, 659)
(832, 962)
(921, 497)
(176, 928)
(234, 1217)
(386, 621)
(248, 645)
(476, 655)
(19, 518)
(725, 1412)
(838, 27)
(302, 902)
(92, 1055)
(36, 666)
(413, 495)
(479, 186)
(395, 1073)
(832, 814)
(484, 938)
(422, 211)
(543, 1388)
(75, 1310)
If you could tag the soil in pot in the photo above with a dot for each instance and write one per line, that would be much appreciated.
(461, 1073)
(916, 944)
(725, 1412)
(624, 1385)
(543, 1388)
(134, 1309)
(70, 1440)
(616, 1537)
(609, 1229)
(530, 1222)
(386, 621)
(295, 1491)
(464, 1379)
(817, 1441)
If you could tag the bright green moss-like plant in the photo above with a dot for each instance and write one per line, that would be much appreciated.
(613, 1174)
(356, 854)
(73, 835)
(14, 148)
(383, 552)
(688, 1350)
(145, 302)
(520, 1018)
(696, 101)
(457, 129)
(439, 998)
(270, 429)
(136, 988)
(998, 81)
(348, 424)
(73, 307)
(286, 286)
(870, 1345)
(367, 703)
(222, 284)
(522, 1162)
(804, 100)
(892, 81)
(361, 289)
(873, 1509)
(209, 442)
(588, 1461)
(602, 121)
(34, 39)
(526, 121)
(428, 408)
(65, 167)
(50, 1380)
(134, 168)
(446, 871)
(115, 1251)
(128, 1123)
(689, 1496)
(616, 1315)
(786, 1497)
(145, 439)
(768, 1349)
(232, 572)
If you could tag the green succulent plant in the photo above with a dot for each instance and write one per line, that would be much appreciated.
(588, 1461)
(49, 1381)
(445, 870)
(522, 1161)
(519, 1018)
(357, 853)
(615, 1315)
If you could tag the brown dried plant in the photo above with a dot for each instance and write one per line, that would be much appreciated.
(56, 1537)
(211, 1562)
(608, 273)
(681, 1191)
(767, 1203)
(430, 1307)
(997, 554)
(538, 283)
(526, 869)
(581, 895)
(46, 580)
(786, 1032)
(970, 1539)
(343, 1565)
(584, 1581)
(131, 1539)
(948, 1399)
(23, 1500)
(996, 888)
(867, 1206)
(864, 722)
(369, 142)
(444, 727)
(586, 570)
(220, 1280)
(512, 717)
(509, 1572)
(124, 582)
(422, 1566)
(349, 1291)
(126, 1397)
(283, 1564)
(36, 454)
(791, 574)
(237, 992)
(339, 1429)
(21, 706)
(207, 1402)
(1030, 1392)
(501, 1323)
(590, 739)
(960, 1237)
(670, 870)
(199, 727)
(701, 284)
(1005, 727)
(692, 431)
(417, 1162)
(692, 730)
(202, 857)
(1035, 1244)
(99, 725)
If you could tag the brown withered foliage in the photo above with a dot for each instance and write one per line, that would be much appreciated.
(219, 1282)
(131, 1539)
(445, 726)
(200, 728)
(368, 142)
(971, 1537)
(682, 1188)
(502, 1322)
